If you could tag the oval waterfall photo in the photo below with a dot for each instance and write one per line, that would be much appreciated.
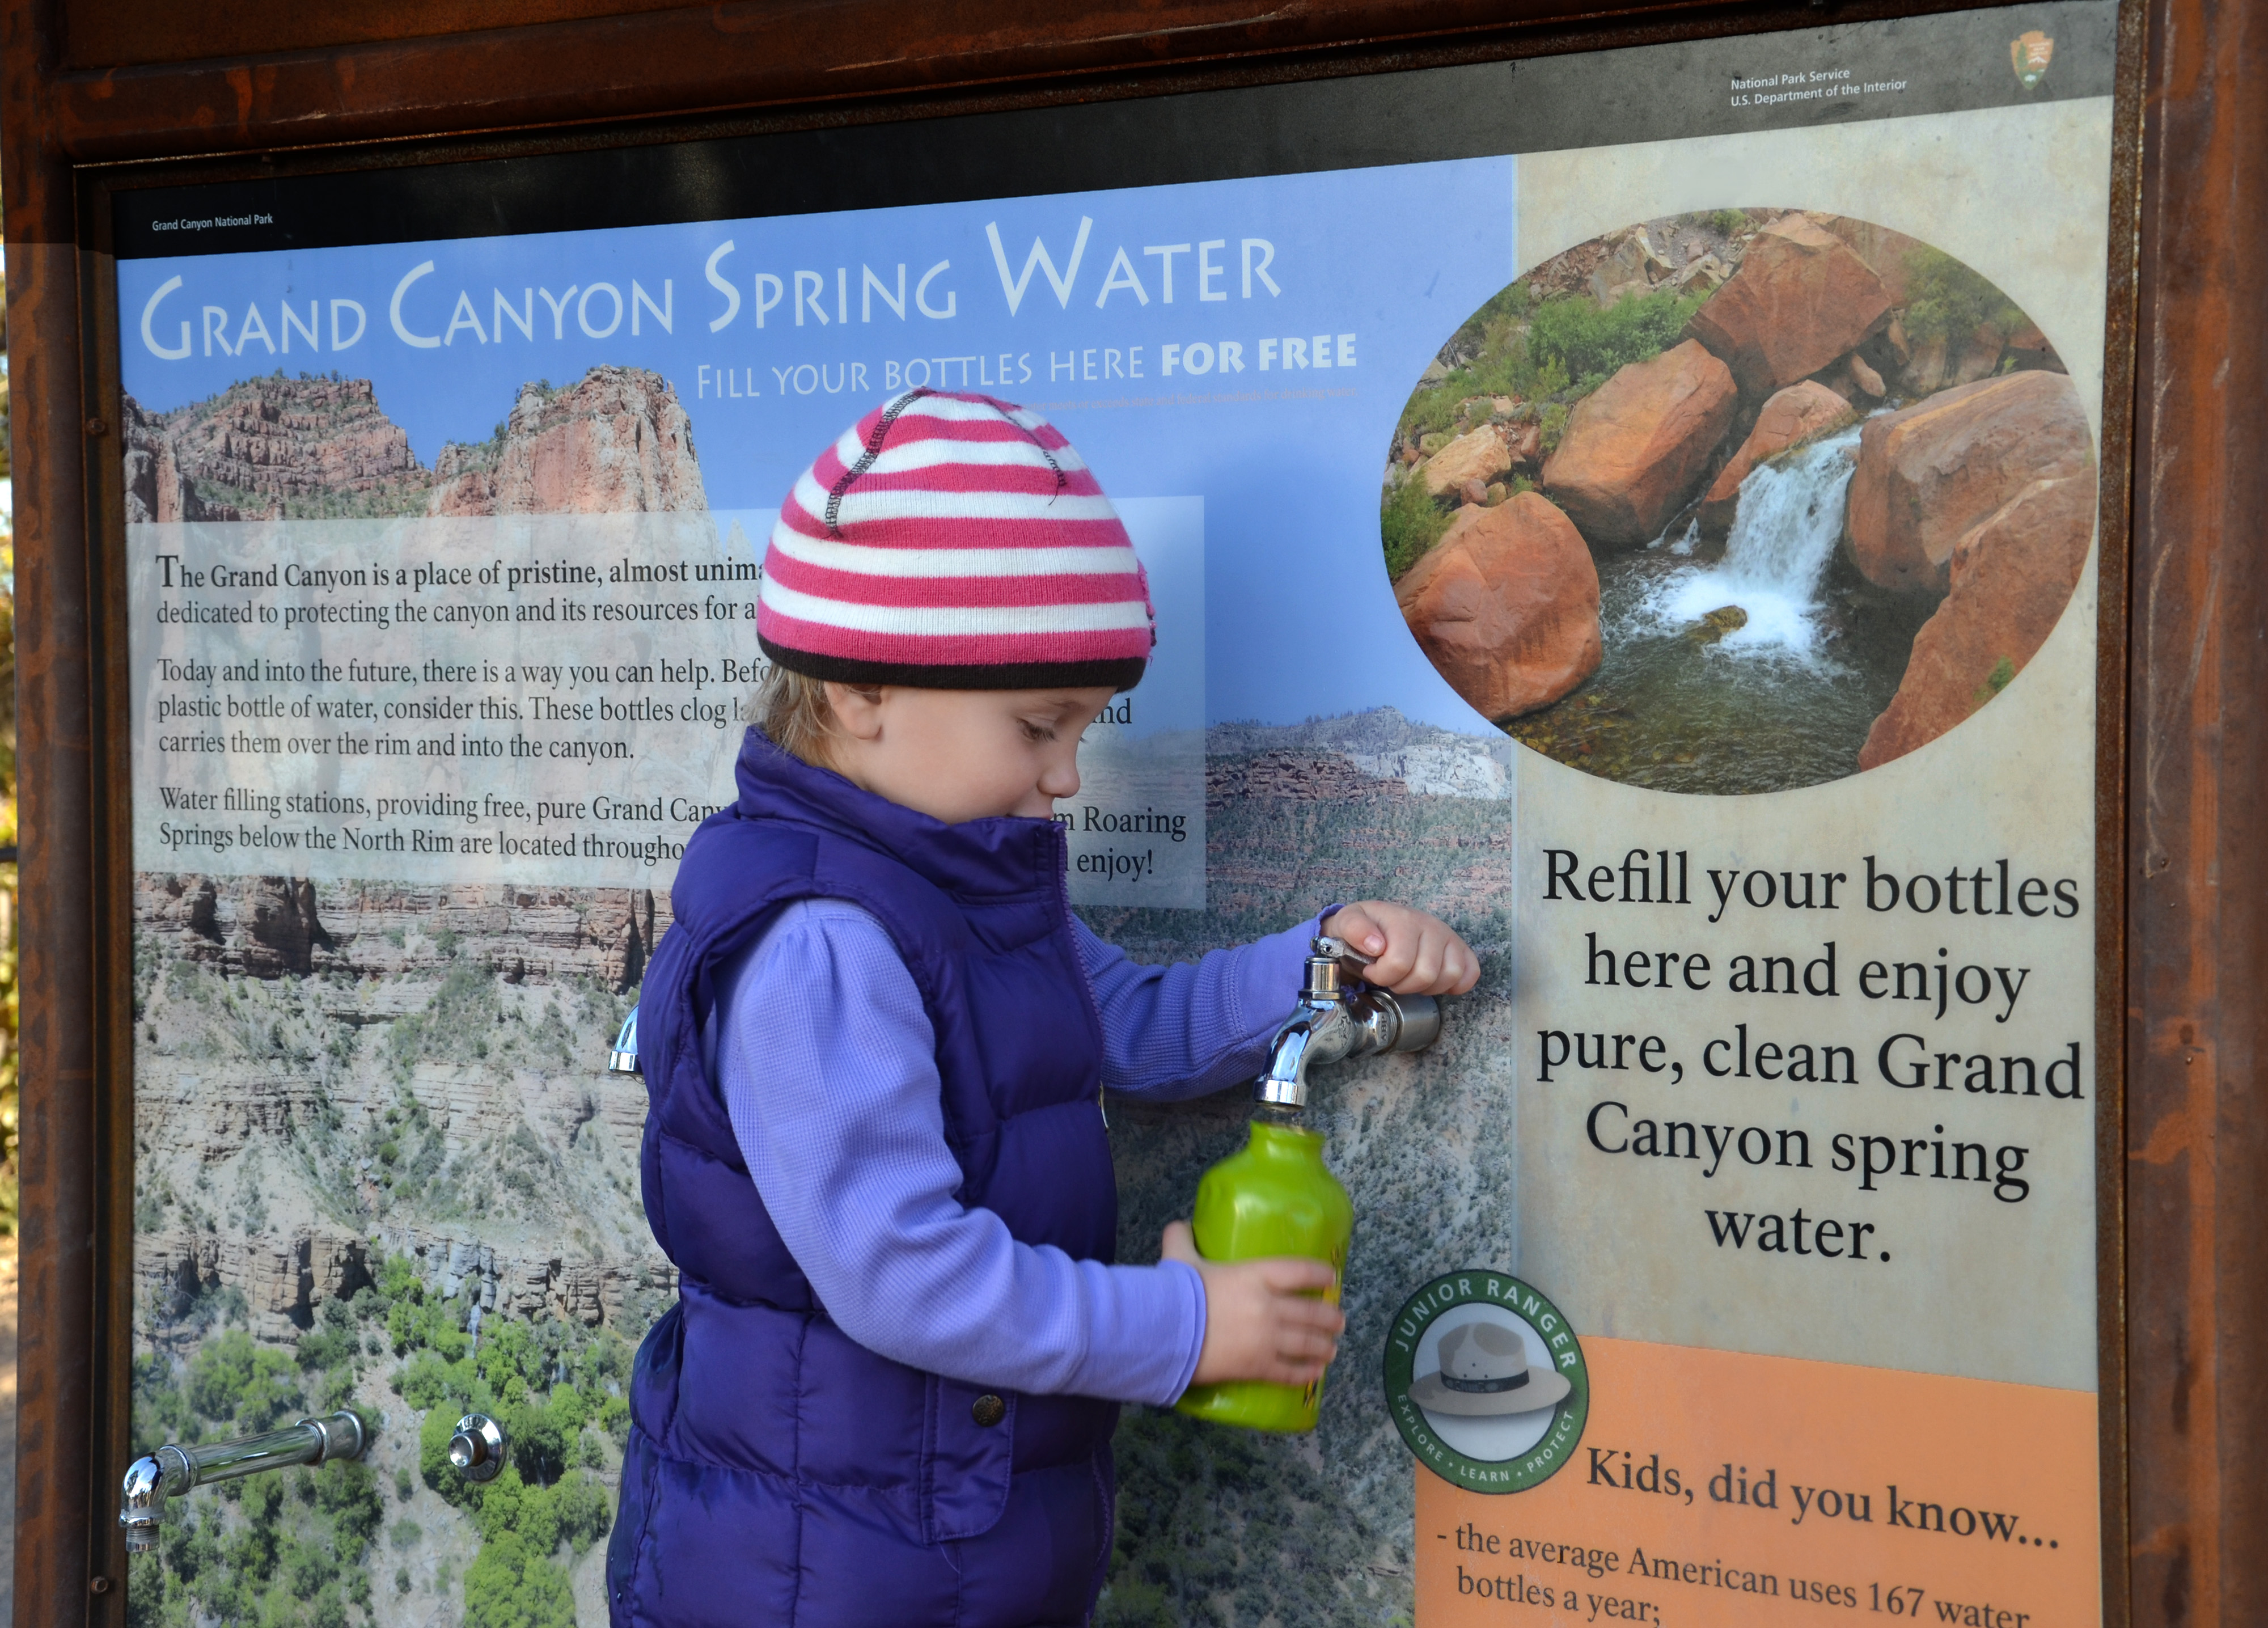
(1739, 501)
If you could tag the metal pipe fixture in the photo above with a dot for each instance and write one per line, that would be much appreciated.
(1333, 1022)
(173, 1470)
(624, 1058)
(478, 1449)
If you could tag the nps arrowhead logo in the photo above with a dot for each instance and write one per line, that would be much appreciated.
(2029, 53)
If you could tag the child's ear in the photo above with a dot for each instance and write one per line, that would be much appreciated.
(857, 708)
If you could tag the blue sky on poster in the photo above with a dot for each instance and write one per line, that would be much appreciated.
(1175, 332)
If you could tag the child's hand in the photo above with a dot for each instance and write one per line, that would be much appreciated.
(1264, 1320)
(1411, 952)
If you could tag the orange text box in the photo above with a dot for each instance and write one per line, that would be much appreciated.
(1716, 1488)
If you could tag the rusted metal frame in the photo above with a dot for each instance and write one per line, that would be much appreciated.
(2114, 578)
(58, 1155)
(111, 1422)
(117, 34)
(2197, 1135)
(744, 53)
(208, 109)
(401, 151)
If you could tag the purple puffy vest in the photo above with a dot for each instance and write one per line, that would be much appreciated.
(778, 1472)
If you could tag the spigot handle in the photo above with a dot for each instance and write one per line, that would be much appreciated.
(1326, 947)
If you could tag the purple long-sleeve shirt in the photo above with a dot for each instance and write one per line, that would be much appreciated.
(828, 1067)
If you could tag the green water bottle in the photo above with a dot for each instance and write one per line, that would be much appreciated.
(1276, 1197)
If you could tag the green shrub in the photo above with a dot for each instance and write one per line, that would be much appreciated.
(583, 1510)
(347, 1492)
(1729, 222)
(1136, 1605)
(539, 1442)
(434, 1325)
(426, 1383)
(1945, 299)
(1589, 343)
(307, 1568)
(1409, 523)
(614, 1420)
(511, 1585)
(455, 1023)
(398, 1280)
(231, 1380)
(332, 1341)
(301, 1549)
(1552, 426)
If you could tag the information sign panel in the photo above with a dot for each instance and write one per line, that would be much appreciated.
(1641, 506)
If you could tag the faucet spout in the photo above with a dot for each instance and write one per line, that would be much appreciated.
(1333, 1022)
(142, 1499)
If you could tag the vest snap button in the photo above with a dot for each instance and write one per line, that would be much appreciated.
(988, 1411)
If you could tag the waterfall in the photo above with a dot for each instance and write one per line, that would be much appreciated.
(1789, 517)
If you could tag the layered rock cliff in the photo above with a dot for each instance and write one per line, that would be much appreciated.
(617, 441)
(330, 1074)
(272, 448)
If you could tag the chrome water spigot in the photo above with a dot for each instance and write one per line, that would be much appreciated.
(478, 1449)
(1339, 1016)
(622, 1059)
(173, 1470)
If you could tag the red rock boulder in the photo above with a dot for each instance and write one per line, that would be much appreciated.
(1635, 447)
(1800, 299)
(1796, 414)
(2030, 349)
(1507, 607)
(1884, 251)
(1929, 474)
(1940, 362)
(2012, 576)
(1479, 454)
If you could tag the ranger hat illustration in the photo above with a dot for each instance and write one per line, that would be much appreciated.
(1484, 1370)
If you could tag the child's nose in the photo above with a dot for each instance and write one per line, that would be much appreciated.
(1061, 779)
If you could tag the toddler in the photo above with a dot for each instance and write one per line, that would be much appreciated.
(876, 1041)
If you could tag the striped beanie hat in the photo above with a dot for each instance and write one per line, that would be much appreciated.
(954, 542)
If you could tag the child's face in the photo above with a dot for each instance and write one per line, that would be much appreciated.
(959, 754)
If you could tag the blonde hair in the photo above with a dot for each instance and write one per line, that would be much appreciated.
(797, 718)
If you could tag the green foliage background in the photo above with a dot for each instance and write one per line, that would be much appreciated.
(296, 1548)
(1947, 299)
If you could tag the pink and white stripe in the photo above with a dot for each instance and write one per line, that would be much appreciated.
(954, 542)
